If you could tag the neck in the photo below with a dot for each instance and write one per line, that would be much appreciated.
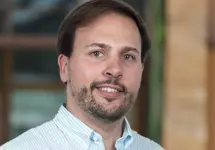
(109, 131)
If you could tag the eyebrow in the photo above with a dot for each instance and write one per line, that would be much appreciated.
(101, 45)
(128, 48)
(105, 46)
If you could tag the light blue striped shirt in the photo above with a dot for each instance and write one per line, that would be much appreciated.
(67, 132)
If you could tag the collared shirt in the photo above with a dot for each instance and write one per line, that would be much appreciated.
(67, 132)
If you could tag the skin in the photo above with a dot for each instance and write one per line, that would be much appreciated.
(106, 54)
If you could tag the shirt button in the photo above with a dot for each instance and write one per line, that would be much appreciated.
(95, 139)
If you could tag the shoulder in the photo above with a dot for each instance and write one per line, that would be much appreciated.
(32, 139)
(141, 142)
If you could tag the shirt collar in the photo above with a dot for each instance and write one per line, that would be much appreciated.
(127, 137)
(70, 124)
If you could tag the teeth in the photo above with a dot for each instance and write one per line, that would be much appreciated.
(109, 90)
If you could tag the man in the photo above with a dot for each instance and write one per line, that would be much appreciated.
(102, 45)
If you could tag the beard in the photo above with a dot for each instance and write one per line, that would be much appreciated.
(87, 102)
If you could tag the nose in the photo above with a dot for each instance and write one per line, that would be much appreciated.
(113, 69)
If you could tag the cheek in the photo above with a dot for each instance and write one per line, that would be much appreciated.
(84, 73)
(133, 78)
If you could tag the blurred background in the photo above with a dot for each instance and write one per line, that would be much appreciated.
(176, 103)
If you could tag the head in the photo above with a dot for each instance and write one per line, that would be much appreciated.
(102, 45)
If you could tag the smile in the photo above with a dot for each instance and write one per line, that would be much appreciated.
(108, 89)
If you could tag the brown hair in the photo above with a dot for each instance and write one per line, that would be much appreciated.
(87, 13)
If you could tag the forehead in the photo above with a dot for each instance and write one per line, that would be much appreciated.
(111, 27)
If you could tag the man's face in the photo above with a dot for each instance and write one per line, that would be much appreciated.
(105, 69)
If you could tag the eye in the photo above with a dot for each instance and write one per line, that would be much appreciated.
(129, 57)
(97, 53)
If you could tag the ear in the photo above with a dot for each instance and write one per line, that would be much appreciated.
(63, 67)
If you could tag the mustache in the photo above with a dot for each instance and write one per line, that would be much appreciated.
(114, 81)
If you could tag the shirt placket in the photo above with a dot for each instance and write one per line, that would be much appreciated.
(96, 142)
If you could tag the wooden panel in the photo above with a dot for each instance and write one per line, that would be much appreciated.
(1, 117)
(211, 75)
(1, 98)
(7, 63)
(185, 120)
(211, 98)
(28, 41)
(211, 23)
(4, 70)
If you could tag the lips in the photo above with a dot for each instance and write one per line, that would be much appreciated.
(111, 88)
(110, 91)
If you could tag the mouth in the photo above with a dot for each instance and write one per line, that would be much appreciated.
(110, 92)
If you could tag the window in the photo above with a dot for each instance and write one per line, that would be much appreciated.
(29, 108)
